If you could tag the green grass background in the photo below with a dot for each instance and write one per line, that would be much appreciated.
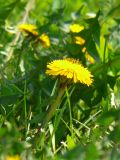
(86, 124)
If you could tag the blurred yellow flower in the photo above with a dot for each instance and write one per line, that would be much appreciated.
(71, 69)
(84, 50)
(44, 40)
(88, 56)
(16, 157)
(76, 28)
(29, 29)
(79, 40)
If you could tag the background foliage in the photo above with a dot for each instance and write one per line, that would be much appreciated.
(86, 125)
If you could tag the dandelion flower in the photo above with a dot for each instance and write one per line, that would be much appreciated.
(79, 40)
(76, 28)
(29, 29)
(44, 40)
(70, 69)
(16, 157)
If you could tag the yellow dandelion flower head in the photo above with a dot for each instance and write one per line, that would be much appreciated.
(79, 40)
(29, 29)
(44, 40)
(76, 28)
(16, 157)
(71, 69)
(72, 60)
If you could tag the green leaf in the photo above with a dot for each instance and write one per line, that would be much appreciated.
(57, 4)
(95, 28)
(111, 80)
(91, 152)
(89, 43)
(70, 142)
(91, 48)
(76, 153)
(56, 16)
(115, 135)
(113, 10)
(108, 117)
(10, 99)
(37, 118)
(5, 10)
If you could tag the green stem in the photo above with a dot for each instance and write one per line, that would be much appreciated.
(104, 54)
(51, 111)
(54, 105)
(70, 112)
(25, 109)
